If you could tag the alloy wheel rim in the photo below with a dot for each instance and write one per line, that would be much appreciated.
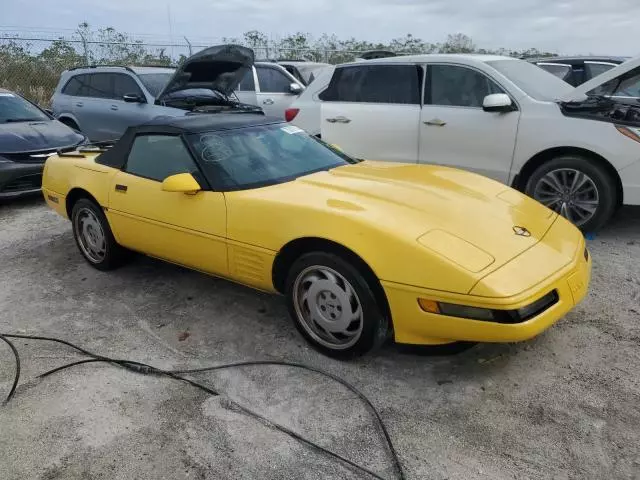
(328, 307)
(569, 192)
(90, 235)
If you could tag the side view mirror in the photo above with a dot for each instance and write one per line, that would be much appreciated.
(133, 98)
(497, 102)
(296, 88)
(181, 183)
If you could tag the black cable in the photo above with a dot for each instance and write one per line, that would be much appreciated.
(173, 373)
(16, 377)
(143, 368)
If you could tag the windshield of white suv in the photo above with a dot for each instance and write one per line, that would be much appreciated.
(531, 79)
(16, 109)
(154, 82)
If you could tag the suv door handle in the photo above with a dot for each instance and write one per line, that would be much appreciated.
(121, 188)
(339, 119)
(435, 122)
(114, 107)
(268, 101)
(79, 104)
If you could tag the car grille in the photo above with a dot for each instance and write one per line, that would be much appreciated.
(21, 184)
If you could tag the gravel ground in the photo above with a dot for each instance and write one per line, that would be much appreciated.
(563, 406)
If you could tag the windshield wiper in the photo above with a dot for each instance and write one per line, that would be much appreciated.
(16, 120)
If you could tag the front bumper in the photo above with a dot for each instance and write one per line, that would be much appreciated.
(414, 326)
(20, 179)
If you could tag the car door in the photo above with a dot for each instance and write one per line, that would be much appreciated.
(246, 90)
(124, 114)
(91, 104)
(273, 90)
(373, 111)
(454, 128)
(187, 229)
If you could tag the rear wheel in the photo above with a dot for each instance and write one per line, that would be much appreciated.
(94, 237)
(333, 306)
(576, 187)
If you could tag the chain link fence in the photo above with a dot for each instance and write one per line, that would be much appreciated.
(31, 66)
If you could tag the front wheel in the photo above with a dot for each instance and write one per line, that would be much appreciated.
(578, 188)
(333, 306)
(94, 237)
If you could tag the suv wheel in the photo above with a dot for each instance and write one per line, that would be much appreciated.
(333, 306)
(576, 187)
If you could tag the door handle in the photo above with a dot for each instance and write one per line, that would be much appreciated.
(121, 188)
(79, 104)
(268, 101)
(435, 122)
(339, 119)
(114, 107)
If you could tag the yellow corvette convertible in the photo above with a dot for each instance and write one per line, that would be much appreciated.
(361, 250)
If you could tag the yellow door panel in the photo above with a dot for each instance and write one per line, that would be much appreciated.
(188, 229)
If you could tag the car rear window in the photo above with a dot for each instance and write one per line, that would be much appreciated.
(390, 84)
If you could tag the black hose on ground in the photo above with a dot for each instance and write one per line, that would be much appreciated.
(145, 369)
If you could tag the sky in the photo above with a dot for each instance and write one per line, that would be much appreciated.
(561, 26)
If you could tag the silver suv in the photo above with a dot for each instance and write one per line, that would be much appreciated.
(102, 101)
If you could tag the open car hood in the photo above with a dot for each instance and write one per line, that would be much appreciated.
(579, 93)
(219, 68)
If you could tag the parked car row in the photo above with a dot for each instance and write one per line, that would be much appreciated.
(573, 149)
(576, 150)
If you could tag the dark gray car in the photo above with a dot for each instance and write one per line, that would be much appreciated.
(103, 101)
(28, 136)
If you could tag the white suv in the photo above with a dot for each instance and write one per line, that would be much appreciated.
(577, 150)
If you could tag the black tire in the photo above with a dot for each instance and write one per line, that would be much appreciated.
(114, 255)
(375, 325)
(605, 186)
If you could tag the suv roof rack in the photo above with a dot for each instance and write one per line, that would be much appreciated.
(126, 67)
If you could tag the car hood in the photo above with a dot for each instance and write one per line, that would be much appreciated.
(471, 220)
(579, 93)
(33, 136)
(219, 68)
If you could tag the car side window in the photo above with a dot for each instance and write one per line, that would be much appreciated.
(272, 80)
(563, 72)
(247, 84)
(594, 69)
(73, 86)
(124, 84)
(157, 157)
(390, 84)
(100, 85)
(458, 86)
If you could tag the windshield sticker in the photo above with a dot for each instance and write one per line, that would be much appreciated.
(290, 129)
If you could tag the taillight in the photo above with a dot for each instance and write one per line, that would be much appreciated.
(290, 114)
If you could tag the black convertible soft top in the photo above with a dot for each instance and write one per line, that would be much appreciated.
(197, 123)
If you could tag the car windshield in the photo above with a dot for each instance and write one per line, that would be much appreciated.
(262, 155)
(531, 79)
(624, 86)
(155, 82)
(14, 108)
